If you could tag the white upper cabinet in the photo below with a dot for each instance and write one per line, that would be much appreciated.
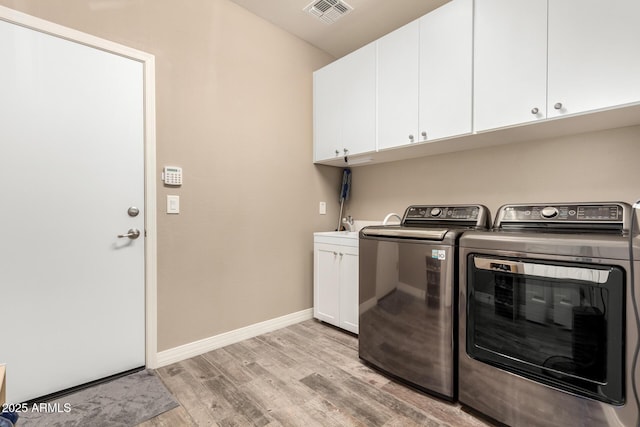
(510, 62)
(446, 56)
(425, 76)
(594, 55)
(344, 105)
(398, 86)
(539, 59)
(327, 112)
(444, 81)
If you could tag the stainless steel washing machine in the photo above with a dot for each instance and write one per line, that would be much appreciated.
(548, 327)
(407, 294)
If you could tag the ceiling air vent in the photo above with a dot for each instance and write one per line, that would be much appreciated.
(328, 11)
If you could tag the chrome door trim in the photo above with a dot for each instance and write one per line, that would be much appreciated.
(542, 270)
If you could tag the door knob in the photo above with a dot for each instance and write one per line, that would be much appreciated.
(132, 234)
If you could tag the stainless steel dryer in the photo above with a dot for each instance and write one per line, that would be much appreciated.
(548, 331)
(408, 282)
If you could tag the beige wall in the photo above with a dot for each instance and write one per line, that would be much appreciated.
(234, 109)
(598, 166)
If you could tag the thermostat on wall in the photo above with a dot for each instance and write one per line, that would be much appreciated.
(172, 175)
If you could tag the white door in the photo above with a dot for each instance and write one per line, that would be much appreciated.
(72, 163)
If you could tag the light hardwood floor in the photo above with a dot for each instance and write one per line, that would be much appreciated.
(307, 374)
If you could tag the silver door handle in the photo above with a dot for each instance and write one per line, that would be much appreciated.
(132, 234)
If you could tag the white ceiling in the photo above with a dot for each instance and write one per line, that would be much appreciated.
(368, 21)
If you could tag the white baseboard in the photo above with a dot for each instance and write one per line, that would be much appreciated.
(368, 304)
(196, 348)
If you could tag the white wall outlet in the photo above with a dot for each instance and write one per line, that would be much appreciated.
(323, 208)
(173, 204)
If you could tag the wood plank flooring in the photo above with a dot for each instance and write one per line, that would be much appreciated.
(307, 374)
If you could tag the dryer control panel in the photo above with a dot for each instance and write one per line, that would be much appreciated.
(565, 216)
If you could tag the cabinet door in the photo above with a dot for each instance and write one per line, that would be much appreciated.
(344, 112)
(327, 111)
(359, 100)
(326, 283)
(594, 54)
(398, 87)
(510, 62)
(349, 289)
(446, 52)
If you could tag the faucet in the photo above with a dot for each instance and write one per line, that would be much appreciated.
(348, 223)
(389, 216)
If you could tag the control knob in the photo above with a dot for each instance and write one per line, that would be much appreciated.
(549, 212)
(436, 212)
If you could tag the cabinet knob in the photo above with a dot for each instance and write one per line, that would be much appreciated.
(337, 153)
(558, 105)
(424, 134)
(410, 138)
(345, 150)
(335, 253)
(535, 110)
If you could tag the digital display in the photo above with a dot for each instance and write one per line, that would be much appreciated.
(463, 213)
(598, 212)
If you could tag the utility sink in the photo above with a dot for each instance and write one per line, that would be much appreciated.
(345, 238)
(348, 234)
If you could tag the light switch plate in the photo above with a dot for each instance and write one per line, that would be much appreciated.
(173, 204)
(323, 208)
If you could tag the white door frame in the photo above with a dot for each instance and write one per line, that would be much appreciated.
(148, 61)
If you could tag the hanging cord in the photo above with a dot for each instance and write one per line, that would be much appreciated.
(634, 364)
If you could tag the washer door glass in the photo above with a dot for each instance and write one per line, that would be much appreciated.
(557, 323)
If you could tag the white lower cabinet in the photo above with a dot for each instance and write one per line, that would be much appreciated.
(335, 280)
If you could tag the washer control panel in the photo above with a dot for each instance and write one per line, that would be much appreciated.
(448, 212)
(467, 215)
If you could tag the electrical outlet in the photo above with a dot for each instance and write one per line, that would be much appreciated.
(323, 208)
